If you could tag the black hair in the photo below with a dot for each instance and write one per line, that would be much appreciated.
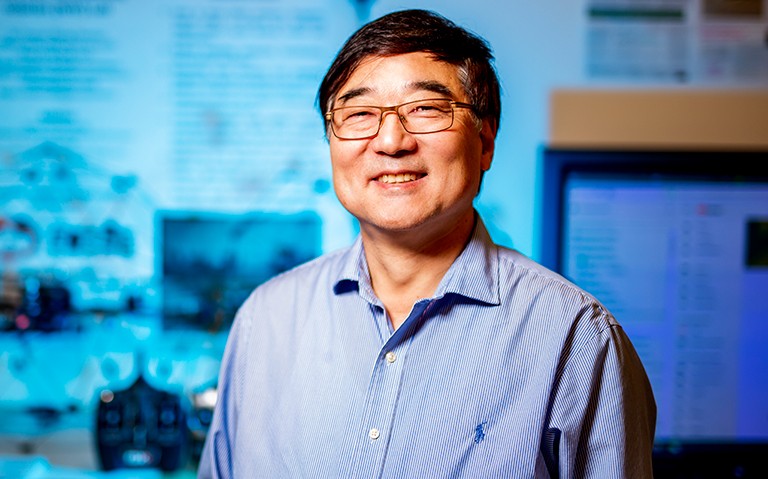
(410, 31)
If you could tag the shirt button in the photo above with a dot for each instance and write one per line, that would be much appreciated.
(374, 433)
(391, 357)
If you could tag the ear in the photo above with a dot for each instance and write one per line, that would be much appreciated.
(488, 142)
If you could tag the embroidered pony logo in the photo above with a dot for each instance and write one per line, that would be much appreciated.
(480, 432)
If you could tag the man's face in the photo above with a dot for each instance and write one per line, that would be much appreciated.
(399, 181)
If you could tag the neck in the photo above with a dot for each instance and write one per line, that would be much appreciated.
(407, 267)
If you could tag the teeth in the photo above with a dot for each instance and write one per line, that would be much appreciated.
(399, 178)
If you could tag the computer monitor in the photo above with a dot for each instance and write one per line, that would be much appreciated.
(210, 262)
(675, 244)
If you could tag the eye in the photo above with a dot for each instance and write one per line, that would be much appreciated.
(428, 108)
(424, 108)
(357, 114)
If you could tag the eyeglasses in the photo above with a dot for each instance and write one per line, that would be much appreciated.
(420, 116)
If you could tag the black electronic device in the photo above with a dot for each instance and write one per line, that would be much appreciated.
(675, 244)
(142, 427)
(47, 306)
(34, 304)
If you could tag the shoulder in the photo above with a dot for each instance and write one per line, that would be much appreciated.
(299, 284)
(571, 318)
(547, 293)
(276, 310)
(319, 271)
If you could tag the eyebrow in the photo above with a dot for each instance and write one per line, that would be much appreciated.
(353, 93)
(423, 85)
(433, 86)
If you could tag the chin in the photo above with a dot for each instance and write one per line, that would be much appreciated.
(393, 224)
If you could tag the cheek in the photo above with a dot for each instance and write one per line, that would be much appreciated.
(464, 157)
(344, 155)
(343, 169)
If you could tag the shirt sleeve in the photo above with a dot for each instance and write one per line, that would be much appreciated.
(216, 458)
(603, 414)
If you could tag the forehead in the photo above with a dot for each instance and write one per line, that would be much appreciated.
(400, 78)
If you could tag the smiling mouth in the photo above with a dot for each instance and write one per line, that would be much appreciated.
(399, 178)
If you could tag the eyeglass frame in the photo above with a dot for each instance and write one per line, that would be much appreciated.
(394, 108)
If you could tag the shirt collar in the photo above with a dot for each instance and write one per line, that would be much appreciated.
(474, 274)
(353, 274)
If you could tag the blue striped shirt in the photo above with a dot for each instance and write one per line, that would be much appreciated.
(509, 371)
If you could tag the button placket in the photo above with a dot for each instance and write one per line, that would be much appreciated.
(382, 398)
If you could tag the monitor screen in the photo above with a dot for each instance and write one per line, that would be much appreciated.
(675, 244)
(210, 262)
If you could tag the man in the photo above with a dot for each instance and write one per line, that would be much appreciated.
(424, 350)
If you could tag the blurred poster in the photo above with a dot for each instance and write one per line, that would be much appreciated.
(245, 76)
(639, 40)
(733, 41)
(208, 103)
(678, 41)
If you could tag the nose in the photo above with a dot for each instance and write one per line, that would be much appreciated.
(392, 138)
